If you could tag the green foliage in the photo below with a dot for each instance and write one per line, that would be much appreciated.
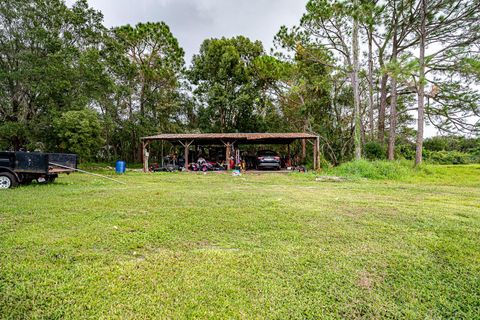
(405, 171)
(439, 143)
(46, 49)
(405, 150)
(56, 58)
(374, 151)
(452, 143)
(449, 157)
(452, 150)
(11, 133)
(392, 170)
(321, 97)
(471, 66)
(79, 132)
(228, 88)
(146, 65)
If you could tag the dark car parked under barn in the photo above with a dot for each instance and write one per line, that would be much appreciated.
(268, 159)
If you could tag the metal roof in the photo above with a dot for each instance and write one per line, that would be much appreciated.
(231, 136)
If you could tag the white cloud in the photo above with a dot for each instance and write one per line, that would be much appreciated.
(192, 21)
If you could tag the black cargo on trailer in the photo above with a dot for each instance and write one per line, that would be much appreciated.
(24, 167)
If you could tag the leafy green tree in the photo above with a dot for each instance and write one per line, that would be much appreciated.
(79, 132)
(146, 64)
(334, 25)
(229, 93)
(42, 44)
(315, 96)
(452, 26)
(149, 59)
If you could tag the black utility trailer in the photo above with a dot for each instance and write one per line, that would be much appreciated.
(24, 167)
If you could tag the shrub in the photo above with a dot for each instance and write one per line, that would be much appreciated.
(449, 157)
(405, 151)
(451, 143)
(11, 131)
(374, 169)
(438, 143)
(374, 151)
(79, 132)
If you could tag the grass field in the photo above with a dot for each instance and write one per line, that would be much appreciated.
(257, 246)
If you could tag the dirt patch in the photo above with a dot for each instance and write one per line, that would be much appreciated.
(199, 244)
(137, 257)
(365, 281)
(354, 212)
(330, 179)
(368, 280)
(206, 245)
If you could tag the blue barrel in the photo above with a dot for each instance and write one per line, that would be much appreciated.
(120, 166)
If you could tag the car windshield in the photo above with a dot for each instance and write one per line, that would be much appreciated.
(267, 153)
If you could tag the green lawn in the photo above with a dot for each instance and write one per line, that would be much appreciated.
(270, 246)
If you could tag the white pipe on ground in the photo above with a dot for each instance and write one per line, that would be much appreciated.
(83, 171)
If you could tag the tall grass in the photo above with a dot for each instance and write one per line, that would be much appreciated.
(377, 170)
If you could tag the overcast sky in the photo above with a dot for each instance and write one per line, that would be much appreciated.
(192, 21)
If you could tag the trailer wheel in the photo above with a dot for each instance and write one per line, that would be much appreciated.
(7, 180)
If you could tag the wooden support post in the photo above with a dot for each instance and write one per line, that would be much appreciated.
(145, 155)
(289, 161)
(186, 146)
(227, 155)
(162, 155)
(186, 156)
(315, 157)
(145, 164)
(304, 150)
(317, 144)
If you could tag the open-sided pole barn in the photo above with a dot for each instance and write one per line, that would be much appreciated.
(229, 139)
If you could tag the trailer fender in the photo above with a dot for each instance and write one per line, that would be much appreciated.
(5, 169)
(22, 178)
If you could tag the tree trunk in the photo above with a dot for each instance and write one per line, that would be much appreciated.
(304, 150)
(370, 82)
(142, 101)
(382, 109)
(356, 89)
(222, 120)
(421, 87)
(393, 99)
(130, 108)
(393, 120)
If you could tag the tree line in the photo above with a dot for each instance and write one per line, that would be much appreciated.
(357, 73)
